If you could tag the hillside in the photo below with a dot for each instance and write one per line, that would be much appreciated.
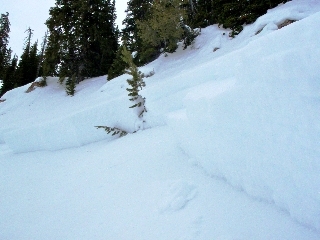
(228, 148)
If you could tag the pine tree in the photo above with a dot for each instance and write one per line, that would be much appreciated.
(232, 14)
(5, 52)
(191, 9)
(207, 12)
(28, 64)
(138, 10)
(71, 85)
(164, 25)
(9, 79)
(82, 38)
(62, 54)
(33, 62)
(118, 66)
(114, 131)
(136, 82)
(236, 14)
(100, 41)
(41, 56)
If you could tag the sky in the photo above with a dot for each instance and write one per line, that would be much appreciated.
(33, 15)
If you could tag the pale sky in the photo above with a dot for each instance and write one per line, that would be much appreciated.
(34, 13)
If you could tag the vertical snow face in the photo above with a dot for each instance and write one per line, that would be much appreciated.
(73, 130)
(261, 129)
(59, 121)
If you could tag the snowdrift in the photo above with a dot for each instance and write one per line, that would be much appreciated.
(66, 124)
(260, 129)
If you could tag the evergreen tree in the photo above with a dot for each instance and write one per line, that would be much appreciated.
(5, 52)
(232, 14)
(33, 63)
(28, 64)
(82, 39)
(207, 12)
(235, 14)
(100, 42)
(63, 53)
(138, 10)
(71, 85)
(118, 66)
(114, 131)
(136, 82)
(166, 25)
(41, 56)
(9, 77)
(190, 6)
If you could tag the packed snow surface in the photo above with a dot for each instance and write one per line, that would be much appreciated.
(229, 150)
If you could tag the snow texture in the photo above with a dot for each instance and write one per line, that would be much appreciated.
(178, 196)
(230, 148)
(260, 130)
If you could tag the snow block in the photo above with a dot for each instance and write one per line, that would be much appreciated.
(74, 130)
(260, 130)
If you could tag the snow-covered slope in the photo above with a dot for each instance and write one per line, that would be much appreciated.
(230, 148)
(259, 128)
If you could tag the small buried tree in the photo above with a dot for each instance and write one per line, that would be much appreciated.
(136, 84)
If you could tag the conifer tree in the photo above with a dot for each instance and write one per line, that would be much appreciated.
(206, 14)
(82, 38)
(100, 41)
(136, 82)
(235, 14)
(5, 52)
(166, 25)
(41, 55)
(118, 66)
(33, 62)
(28, 64)
(71, 85)
(114, 131)
(138, 10)
(232, 14)
(191, 9)
(9, 79)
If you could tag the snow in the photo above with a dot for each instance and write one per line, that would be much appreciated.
(229, 150)
(253, 127)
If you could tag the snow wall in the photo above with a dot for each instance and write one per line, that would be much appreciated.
(71, 129)
(260, 129)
